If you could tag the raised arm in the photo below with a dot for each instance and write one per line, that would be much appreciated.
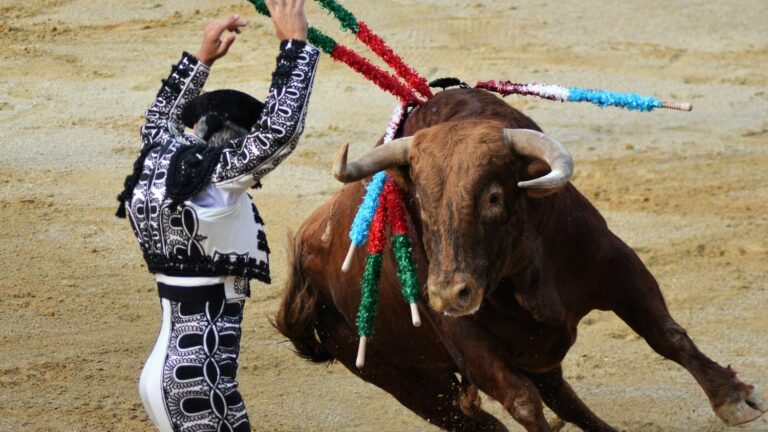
(186, 81)
(244, 161)
(275, 136)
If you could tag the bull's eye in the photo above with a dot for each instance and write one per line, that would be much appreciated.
(492, 207)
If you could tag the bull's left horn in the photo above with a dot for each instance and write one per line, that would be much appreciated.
(538, 145)
(394, 153)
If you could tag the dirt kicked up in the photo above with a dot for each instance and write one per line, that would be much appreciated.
(686, 190)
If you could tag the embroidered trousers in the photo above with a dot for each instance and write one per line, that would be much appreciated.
(188, 383)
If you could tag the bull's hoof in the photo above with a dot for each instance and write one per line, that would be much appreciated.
(743, 409)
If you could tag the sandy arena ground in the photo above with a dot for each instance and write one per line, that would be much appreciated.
(686, 190)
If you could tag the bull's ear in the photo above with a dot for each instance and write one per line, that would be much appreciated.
(535, 168)
(402, 176)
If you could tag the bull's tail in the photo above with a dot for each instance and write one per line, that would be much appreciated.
(297, 316)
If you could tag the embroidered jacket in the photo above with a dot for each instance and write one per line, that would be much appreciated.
(187, 201)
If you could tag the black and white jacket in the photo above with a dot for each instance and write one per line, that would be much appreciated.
(187, 201)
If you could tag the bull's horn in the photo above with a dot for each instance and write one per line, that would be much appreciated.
(540, 146)
(394, 153)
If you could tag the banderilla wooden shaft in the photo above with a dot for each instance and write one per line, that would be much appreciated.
(360, 362)
(680, 106)
(348, 260)
(415, 317)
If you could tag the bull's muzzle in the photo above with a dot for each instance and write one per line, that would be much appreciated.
(456, 295)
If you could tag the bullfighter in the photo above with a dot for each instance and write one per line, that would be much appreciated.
(197, 227)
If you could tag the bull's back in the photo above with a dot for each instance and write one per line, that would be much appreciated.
(466, 104)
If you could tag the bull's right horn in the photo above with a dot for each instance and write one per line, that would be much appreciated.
(394, 153)
(538, 145)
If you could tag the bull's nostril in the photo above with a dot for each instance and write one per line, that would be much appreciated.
(464, 295)
(752, 404)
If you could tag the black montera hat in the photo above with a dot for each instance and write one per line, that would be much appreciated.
(232, 105)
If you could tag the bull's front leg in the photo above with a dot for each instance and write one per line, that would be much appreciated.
(639, 302)
(482, 359)
(563, 400)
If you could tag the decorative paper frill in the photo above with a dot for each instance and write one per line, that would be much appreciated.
(601, 98)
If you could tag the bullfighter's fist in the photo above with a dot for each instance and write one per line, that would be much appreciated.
(213, 47)
(289, 19)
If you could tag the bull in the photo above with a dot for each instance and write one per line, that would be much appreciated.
(513, 257)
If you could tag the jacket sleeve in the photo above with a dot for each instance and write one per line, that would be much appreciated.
(183, 84)
(274, 137)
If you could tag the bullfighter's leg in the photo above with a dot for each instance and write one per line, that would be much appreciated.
(483, 361)
(435, 395)
(563, 401)
(188, 383)
(641, 305)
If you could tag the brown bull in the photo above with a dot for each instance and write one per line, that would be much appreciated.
(513, 257)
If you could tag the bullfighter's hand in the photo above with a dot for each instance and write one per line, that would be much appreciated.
(213, 47)
(289, 19)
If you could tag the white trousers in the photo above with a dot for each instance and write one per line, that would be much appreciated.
(150, 387)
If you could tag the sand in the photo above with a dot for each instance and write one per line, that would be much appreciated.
(686, 190)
